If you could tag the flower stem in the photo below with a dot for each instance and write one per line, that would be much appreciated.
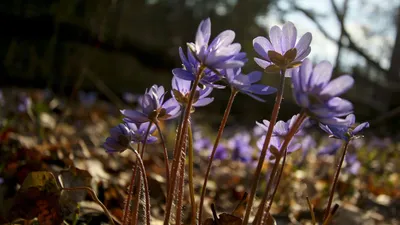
(191, 183)
(146, 186)
(179, 195)
(283, 152)
(136, 202)
(274, 116)
(216, 142)
(335, 179)
(165, 154)
(179, 146)
(130, 193)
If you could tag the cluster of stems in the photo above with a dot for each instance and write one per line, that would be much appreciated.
(184, 140)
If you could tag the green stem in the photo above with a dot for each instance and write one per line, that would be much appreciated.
(257, 174)
(179, 147)
(191, 184)
(165, 154)
(335, 179)
(283, 151)
(216, 142)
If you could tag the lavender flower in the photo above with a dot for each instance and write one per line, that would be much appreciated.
(153, 107)
(345, 131)
(139, 132)
(279, 133)
(25, 103)
(330, 148)
(352, 164)
(241, 149)
(130, 97)
(221, 153)
(119, 140)
(191, 67)
(245, 83)
(181, 91)
(221, 53)
(281, 41)
(314, 92)
(87, 99)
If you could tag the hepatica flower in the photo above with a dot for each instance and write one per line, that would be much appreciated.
(246, 83)
(221, 53)
(152, 107)
(281, 49)
(181, 91)
(279, 133)
(346, 131)
(240, 146)
(314, 91)
(119, 140)
(139, 132)
(190, 70)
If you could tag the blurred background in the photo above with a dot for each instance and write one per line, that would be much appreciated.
(116, 46)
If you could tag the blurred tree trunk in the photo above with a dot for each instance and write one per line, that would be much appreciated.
(394, 70)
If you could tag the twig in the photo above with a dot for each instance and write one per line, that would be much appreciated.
(97, 200)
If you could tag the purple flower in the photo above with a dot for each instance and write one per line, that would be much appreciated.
(25, 103)
(279, 133)
(87, 99)
(190, 70)
(330, 148)
(280, 41)
(346, 131)
(314, 92)
(119, 140)
(153, 107)
(181, 91)
(245, 83)
(139, 132)
(130, 97)
(241, 149)
(352, 164)
(221, 53)
(221, 153)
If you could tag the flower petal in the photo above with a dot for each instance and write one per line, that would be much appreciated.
(289, 36)
(262, 46)
(203, 102)
(261, 89)
(337, 86)
(183, 74)
(303, 43)
(134, 116)
(254, 76)
(262, 63)
(360, 128)
(321, 75)
(203, 33)
(225, 38)
(275, 35)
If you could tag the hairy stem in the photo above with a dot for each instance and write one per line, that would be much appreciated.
(127, 205)
(257, 219)
(335, 179)
(165, 154)
(180, 192)
(283, 151)
(136, 201)
(146, 187)
(216, 142)
(179, 146)
(191, 183)
(274, 117)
